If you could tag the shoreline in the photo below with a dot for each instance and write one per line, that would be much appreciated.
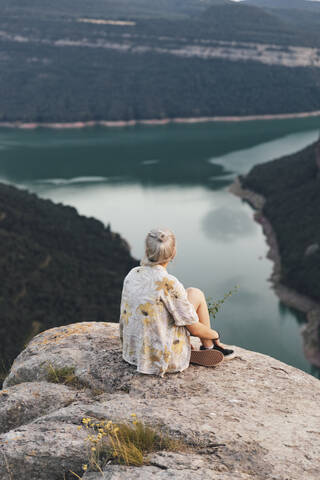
(158, 122)
(288, 296)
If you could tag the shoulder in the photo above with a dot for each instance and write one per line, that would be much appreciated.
(175, 281)
(170, 284)
(138, 276)
(132, 273)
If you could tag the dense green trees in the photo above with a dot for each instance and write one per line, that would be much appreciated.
(291, 186)
(56, 267)
(148, 86)
(55, 68)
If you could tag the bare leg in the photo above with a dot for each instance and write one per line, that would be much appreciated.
(198, 300)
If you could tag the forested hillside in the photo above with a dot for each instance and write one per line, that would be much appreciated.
(303, 15)
(113, 8)
(291, 186)
(56, 268)
(140, 59)
(304, 5)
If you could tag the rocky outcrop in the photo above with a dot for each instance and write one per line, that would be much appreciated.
(252, 417)
(24, 402)
(92, 348)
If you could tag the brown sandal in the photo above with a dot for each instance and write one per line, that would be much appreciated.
(206, 358)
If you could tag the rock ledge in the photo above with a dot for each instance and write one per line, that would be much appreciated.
(249, 418)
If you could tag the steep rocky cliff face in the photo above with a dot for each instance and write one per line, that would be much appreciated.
(251, 418)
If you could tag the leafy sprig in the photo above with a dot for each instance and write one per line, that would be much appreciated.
(215, 305)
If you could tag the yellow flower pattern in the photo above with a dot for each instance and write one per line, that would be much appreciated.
(177, 346)
(124, 318)
(125, 313)
(153, 354)
(166, 285)
(147, 311)
(154, 312)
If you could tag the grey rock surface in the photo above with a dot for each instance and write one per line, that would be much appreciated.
(33, 452)
(252, 417)
(91, 348)
(22, 403)
(169, 465)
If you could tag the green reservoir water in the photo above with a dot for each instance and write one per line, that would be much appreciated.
(177, 176)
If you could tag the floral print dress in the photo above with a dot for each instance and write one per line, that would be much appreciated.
(154, 312)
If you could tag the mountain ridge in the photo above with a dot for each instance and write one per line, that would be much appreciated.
(226, 59)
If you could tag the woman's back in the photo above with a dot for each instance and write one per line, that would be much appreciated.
(154, 311)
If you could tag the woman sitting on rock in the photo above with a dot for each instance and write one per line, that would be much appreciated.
(158, 315)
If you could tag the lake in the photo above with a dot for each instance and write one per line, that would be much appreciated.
(136, 178)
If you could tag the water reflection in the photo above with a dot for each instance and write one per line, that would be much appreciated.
(242, 160)
(218, 183)
(285, 310)
(68, 181)
(225, 224)
(315, 371)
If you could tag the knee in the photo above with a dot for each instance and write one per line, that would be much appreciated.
(195, 293)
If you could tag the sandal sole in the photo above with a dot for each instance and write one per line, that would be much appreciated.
(206, 358)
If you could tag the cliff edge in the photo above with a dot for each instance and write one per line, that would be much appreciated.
(252, 417)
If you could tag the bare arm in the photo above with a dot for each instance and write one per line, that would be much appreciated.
(200, 330)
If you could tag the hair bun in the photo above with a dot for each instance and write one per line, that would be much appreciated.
(159, 235)
(162, 236)
(159, 247)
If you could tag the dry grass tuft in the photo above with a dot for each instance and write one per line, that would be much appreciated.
(124, 443)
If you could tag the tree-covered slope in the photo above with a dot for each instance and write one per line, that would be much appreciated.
(112, 8)
(305, 5)
(291, 186)
(61, 63)
(303, 15)
(56, 267)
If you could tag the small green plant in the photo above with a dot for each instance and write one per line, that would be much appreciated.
(123, 443)
(64, 375)
(214, 306)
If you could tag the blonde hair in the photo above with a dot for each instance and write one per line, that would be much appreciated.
(160, 247)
